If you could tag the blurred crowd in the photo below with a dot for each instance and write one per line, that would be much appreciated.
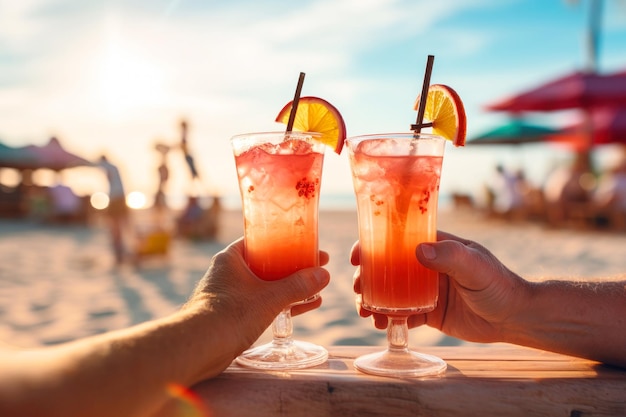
(573, 195)
(134, 234)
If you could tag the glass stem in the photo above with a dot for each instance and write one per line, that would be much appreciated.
(398, 333)
(282, 327)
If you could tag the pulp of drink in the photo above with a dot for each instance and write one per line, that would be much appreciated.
(279, 182)
(397, 194)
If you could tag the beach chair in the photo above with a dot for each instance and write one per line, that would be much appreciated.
(153, 243)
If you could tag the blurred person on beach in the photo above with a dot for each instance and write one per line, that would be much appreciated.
(188, 223)
(609, 198)
(196, 222)
(163, 173)
(506, 189)
(568, 189)
(481, 300)
(117, 210)
(208, 220)
(66, 206)
(184, 147)
(145, 370)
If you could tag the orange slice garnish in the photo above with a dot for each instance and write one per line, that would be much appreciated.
(315, 114)
(445, 110)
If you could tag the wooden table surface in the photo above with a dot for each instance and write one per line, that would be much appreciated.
(498, 380)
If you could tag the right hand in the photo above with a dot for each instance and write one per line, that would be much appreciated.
(478, 295)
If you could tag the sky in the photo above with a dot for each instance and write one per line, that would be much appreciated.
(115, 77)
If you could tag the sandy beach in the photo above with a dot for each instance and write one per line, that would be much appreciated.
(58, 283)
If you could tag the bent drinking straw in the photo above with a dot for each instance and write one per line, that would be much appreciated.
(419, 123)
(294, 105)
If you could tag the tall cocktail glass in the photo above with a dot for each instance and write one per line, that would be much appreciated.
(396, 181)
(279, 180)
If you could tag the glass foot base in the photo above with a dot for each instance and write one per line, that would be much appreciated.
(401, 363)
(274, 356)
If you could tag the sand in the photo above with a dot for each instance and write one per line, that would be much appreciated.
(58, 283)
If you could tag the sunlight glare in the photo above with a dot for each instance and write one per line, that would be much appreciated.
(99, 200)
(127, 80)
(136, 200)
(10, 177)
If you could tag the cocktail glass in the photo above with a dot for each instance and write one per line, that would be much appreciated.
(396, 181)
(279, 180)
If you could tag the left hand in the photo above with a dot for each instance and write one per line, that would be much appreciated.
(245, 304)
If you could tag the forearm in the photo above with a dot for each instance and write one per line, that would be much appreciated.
(125, 373)
(584, 319)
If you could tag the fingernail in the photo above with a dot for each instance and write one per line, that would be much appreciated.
(428, 251)
(320, 275)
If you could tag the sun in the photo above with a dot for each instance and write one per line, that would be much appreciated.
(127, 80)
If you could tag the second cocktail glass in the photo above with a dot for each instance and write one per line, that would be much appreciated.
(396, 181)
(279, 179)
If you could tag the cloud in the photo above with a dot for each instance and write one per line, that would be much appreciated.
(122, 73)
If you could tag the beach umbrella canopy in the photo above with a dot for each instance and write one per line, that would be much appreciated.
(17, 158)
(514, 132)
(52, 156)
(579, 90)
(605, 126)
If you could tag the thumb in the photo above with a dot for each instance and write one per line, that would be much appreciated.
(468, 263)
(300, 285)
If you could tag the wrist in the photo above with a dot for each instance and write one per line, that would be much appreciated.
(214, 338)
(547, 322)
(522, 317)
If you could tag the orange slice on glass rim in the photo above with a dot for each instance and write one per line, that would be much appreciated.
(445, 110)
(315, 114)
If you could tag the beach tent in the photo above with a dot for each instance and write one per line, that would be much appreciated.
(18, 158)
(52, 156)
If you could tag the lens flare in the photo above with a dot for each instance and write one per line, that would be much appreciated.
(189, 403)
(99, 200)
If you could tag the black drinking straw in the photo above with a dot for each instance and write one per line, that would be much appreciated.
(294, 106)
(419, 123)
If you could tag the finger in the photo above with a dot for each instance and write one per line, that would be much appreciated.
(355, 254)
(303, 308)
(356, 285)
(441, 235)
(236, 245)
(300, 285)
(417, 320)
(380, 321)
(359, 308)
(460, 259)
(324, 258)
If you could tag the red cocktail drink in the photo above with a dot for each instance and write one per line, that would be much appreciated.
(396, 181)
(280, 184)
(279, 180)
(397, 196)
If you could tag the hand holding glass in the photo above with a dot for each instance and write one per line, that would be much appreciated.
(279, 180)
(396, 181)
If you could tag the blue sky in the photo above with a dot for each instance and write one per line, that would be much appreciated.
(116, 76)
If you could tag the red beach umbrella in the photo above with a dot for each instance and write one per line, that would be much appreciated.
(579, 90)
(605, 126)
